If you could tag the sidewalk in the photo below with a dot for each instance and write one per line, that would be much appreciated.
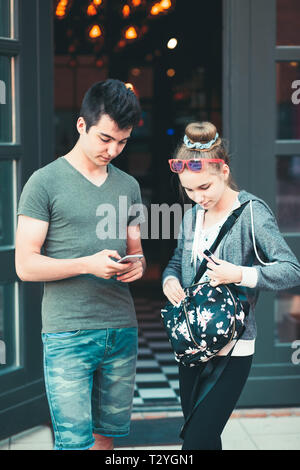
(253, 429)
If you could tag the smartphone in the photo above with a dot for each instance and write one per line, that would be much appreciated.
(209, 254)
(130, 258)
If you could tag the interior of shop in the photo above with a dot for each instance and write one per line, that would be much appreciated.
(170, 53)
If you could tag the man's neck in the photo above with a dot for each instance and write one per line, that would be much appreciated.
(82, 163)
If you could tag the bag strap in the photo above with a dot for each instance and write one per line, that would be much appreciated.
(228, 224)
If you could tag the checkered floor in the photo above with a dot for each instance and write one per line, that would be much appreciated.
(157, 372)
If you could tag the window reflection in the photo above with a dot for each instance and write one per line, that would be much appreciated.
(288, 193)
(1, 312)
(287, 317)
(288, 115)
(5, 18)
(6, 203)
(2, 341)
(288, 31)
(5, 100)
(7, 326)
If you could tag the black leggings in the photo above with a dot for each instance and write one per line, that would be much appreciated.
(204, 430)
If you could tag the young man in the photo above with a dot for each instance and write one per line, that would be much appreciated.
(89, 327)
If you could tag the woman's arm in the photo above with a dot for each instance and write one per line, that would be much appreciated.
(173, 268)
(278, 270)
(285, 272)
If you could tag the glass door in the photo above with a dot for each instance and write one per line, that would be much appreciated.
(9, 288)
(287, 158)
(262, 118)
(25, 145)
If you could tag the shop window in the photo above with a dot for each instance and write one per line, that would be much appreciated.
(6, 203)
(5, 100)
(287, 317)
(9, 350)
(288, 100)
(287, 199)
(5, 27)
(288, 31)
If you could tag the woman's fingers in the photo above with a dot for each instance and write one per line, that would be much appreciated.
(211, 259)
(215, 259)
(174, 301)
(175, 295)
(173, 291)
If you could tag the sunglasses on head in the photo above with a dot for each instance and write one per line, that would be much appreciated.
(177, 165)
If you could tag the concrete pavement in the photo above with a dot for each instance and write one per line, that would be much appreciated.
(260, 429)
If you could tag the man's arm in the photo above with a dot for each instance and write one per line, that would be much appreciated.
(34, 267)
(134, 243)
(134, 247)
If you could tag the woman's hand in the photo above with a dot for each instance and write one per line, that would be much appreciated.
(173, 291)
(222, 272)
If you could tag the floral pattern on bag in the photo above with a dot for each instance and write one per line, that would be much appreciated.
(206, 321)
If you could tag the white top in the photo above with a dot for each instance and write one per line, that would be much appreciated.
(203, 240)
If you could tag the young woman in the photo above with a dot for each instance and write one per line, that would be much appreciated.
(253, 256)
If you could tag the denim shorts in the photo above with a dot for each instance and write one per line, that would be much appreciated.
(89, 378)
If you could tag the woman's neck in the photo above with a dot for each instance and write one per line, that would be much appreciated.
(212, 216)
(225, 203)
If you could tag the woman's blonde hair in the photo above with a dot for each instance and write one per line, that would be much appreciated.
(204, 132)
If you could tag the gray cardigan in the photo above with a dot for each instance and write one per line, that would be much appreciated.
(237, 248)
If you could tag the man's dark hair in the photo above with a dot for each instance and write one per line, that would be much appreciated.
(111, 97)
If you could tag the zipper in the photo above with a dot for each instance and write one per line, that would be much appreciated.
(188, 325)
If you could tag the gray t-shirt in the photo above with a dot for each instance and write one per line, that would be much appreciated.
(83, 220)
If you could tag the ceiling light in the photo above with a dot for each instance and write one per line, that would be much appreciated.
(171, 72)
(172, 43)
(131, 33)
(95, 32)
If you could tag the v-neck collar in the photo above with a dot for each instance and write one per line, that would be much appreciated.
(85, 178)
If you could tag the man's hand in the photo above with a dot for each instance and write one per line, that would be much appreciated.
(173, 291)
(135, 272)
(101, 264)
(222, 272)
